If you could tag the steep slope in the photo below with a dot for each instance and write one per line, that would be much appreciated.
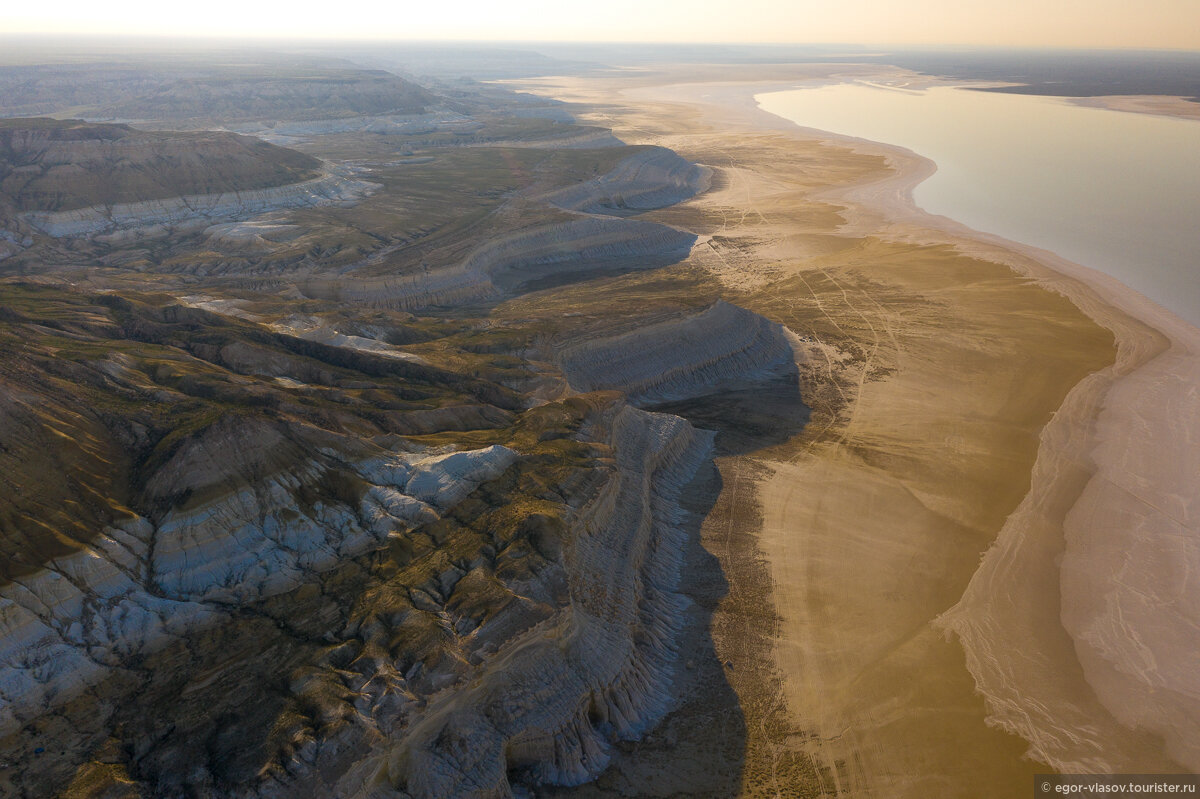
(538, 257)
(654, 177)
(682, 357)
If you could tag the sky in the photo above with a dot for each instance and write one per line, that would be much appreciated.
(1172, 24)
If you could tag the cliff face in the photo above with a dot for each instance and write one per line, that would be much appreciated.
(147, 581)
(593, 242)
(279, 554)
(199, 210)
(653, 178)
(680, 358)
(546, 255)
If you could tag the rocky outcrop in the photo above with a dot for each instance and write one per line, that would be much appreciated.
(652, 178)
(545, 255)
(681, 357)
(199, 210)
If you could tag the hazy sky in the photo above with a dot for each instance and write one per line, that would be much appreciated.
(1069, 23)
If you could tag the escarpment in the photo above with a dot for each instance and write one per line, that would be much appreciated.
(539, 257)
(553, 702)
(247, 530)
(199, 210)
(652, 178)
(686, 356)
(594, 242)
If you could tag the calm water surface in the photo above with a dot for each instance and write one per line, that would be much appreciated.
(1115, 191)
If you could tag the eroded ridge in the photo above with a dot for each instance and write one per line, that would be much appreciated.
(684, 357)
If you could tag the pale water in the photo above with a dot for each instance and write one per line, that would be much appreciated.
(1116, 191)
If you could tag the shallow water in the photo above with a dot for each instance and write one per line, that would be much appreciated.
(1116, 191)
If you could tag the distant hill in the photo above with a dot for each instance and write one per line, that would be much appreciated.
(60, 165)
(234, 97)
(206, 94)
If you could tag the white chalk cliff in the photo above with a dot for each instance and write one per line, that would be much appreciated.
(652, 178)
(557, 249)
(685, 356)
(199, 209)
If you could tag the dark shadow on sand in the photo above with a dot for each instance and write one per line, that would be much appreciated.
(699, 750)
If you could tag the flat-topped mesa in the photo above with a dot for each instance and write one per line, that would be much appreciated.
(687, 356)
(72, 178)
(652, 178)
(539, 257)
(548, 707)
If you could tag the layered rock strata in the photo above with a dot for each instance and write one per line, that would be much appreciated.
(552, 706)
(553, 686)
(199, 210)
(652, 178)
(391, 125)
(682, 357)
(555, 253)
(144, 583)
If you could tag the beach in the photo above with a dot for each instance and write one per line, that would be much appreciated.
(975, 558)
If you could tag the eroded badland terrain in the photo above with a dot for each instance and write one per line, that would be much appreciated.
(375, 436)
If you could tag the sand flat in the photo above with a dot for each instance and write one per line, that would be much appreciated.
(963, 390)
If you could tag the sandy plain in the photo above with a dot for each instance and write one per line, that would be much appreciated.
(932, 587)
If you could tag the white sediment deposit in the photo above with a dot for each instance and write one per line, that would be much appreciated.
(288, 132)
(143, 584)
(311, 328)
(1091, 583)
(653, 178)
(199, 209)
(255, 236)
(682, 357)
(589, 139)
(577, 245)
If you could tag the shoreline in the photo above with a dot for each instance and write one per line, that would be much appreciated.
(1158, 356)
(967, 392)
